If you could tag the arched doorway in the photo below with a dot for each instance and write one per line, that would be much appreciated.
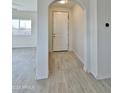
(43, 42)
(76, 32)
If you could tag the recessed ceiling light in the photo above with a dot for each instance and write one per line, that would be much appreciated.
(62, 2)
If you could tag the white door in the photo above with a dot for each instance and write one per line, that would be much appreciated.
(60, 31)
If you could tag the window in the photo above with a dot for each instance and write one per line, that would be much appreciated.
(21, 27)
(15, 24)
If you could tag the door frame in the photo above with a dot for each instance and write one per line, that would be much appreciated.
(53, 29)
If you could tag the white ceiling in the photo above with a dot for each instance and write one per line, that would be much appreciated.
(24, 5)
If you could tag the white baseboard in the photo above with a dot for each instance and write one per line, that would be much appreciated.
(40, 77)
(103, 77)
(81, 59)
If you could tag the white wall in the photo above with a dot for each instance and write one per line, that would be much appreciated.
(100, 13)
(26, 41)
(104, 39)
(42, 48)
(93, 36)
(79, 36)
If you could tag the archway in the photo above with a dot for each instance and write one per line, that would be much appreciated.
(42, 48)
(77, 28)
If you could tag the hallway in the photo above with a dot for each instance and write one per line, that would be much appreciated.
(66, 75)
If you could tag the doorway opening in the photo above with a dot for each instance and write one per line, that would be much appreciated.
(68, 30)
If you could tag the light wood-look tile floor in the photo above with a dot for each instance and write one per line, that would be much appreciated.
(66, 75)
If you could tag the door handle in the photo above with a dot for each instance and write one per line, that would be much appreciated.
(54, 35)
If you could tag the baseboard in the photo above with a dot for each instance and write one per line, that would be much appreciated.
(81, 59)
(99, 77)
(40, 77)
